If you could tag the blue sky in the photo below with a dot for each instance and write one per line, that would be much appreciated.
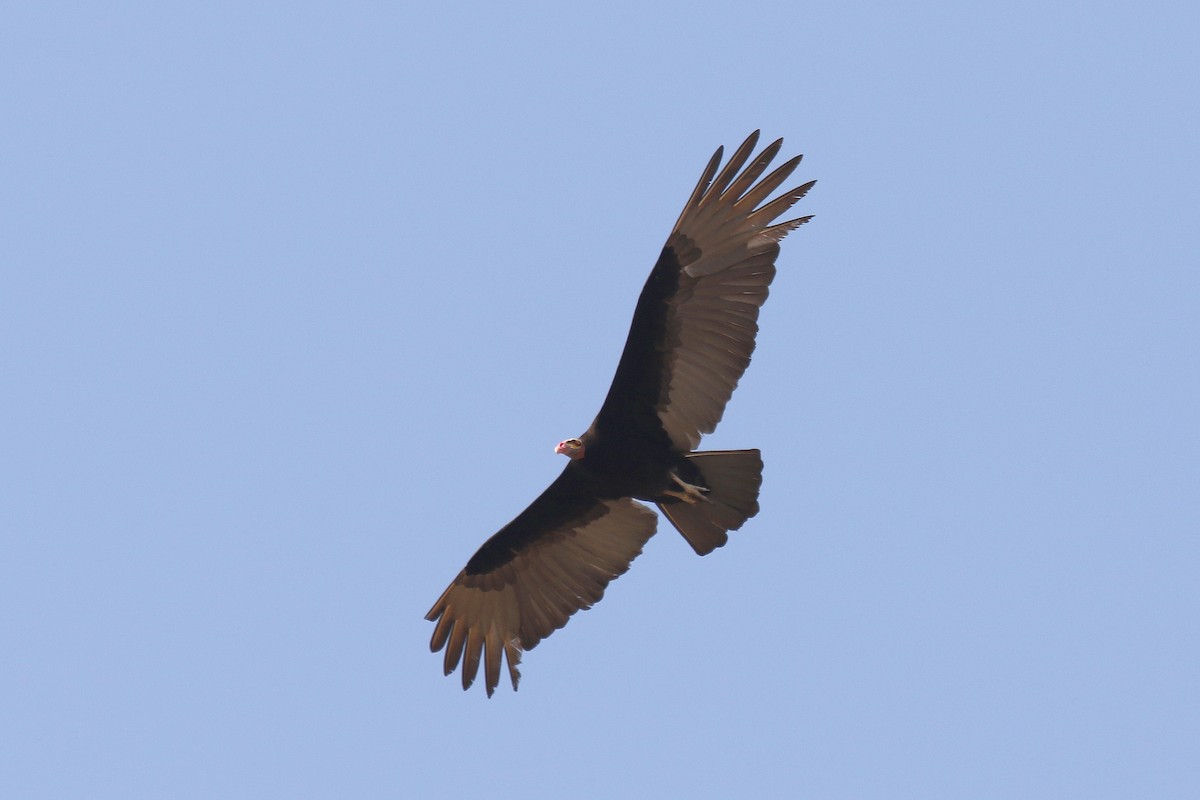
(298, 298)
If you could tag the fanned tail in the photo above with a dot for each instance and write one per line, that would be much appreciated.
(732, 478)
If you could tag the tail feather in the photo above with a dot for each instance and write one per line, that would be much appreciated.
(733, 478)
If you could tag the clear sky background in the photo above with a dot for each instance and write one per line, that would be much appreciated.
(297, 299)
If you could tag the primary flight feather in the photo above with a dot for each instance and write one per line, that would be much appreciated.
(690, 341)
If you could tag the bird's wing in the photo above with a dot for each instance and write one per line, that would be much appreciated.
(694, 326)
(554, 559)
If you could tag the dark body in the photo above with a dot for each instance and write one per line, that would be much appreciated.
(689, 343)
(629, 454)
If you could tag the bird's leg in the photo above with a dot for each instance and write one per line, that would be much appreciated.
(690, 494)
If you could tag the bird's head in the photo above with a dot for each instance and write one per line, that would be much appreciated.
(571, 448)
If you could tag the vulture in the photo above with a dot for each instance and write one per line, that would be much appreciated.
(690, 341)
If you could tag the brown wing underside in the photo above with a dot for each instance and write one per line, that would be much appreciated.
(725, 246)
(696, 319)
(514, 606)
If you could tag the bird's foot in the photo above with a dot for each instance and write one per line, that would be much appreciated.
(691, 495)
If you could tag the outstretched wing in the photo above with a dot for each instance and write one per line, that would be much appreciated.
(555, 558)
(694, 327)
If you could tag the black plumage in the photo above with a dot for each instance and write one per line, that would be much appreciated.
(690, 341)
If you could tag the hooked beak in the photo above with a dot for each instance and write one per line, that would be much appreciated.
(571, 448)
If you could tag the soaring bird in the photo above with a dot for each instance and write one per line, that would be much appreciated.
(690, 341)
